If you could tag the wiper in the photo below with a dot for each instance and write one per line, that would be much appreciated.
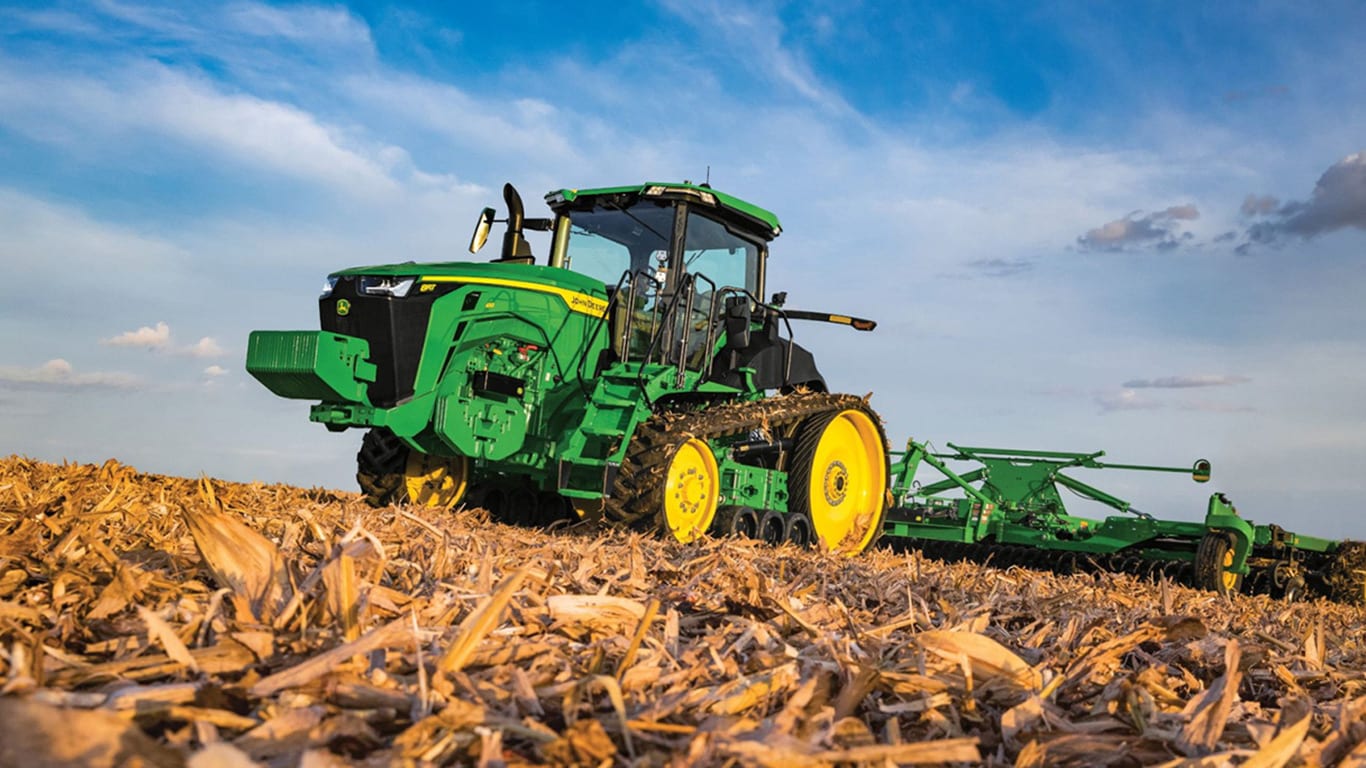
(637, 220)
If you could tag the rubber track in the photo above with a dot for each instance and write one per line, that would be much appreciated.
(638, 493)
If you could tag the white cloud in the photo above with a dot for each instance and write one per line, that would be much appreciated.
(754, 35)
(157, 337)
(268, 134)
(310, 24)
(160, 338)
(58, 373)
(205, 347)
(152, 98)
(215, 370)
(1187, 382)
(1125, 400)
(43, 239)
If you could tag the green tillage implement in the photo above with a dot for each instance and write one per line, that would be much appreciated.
(1009, 510)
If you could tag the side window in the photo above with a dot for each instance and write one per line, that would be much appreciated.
(725, 258)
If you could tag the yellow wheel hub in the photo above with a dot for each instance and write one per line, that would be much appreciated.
(436, 481)
(848, 483)
(692, 486)
(1230, 578)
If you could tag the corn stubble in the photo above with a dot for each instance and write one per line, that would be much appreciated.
(148, 620)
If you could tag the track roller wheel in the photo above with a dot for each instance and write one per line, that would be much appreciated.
(838, 476)
(797, 529)
(692, 490)
(741, 522)
(1213, 560)
(772, 528)
(435, 481)
(380, 468)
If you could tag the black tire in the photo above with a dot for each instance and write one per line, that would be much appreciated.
(1209, 565)
(797, 530)
(380, 466)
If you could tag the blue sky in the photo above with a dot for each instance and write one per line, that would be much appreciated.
(1133, 227)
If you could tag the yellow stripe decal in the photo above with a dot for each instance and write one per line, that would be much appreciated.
(843, 319)
(576, 301)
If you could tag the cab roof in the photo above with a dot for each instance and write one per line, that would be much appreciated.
(693, 192)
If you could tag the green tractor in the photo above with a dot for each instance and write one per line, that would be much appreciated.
(636, 376)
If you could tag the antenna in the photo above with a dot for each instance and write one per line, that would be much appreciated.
(707, 183)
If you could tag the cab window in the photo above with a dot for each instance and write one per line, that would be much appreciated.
(604, 242)
(724, 257)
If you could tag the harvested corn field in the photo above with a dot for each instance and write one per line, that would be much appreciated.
(154, 620)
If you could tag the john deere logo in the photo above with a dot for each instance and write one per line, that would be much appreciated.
(343, 307)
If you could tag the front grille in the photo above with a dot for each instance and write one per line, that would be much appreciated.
(395, 329)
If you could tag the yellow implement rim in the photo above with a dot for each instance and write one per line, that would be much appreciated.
(436, 481)
(692, 486)
(848, 483)
(1229, 577)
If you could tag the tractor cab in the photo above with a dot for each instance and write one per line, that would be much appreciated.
(662, 232)
(674, 258)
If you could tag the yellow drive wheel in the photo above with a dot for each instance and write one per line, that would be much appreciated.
(838, 475)
(692, 490)
(436, 481)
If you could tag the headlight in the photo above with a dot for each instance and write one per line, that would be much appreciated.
(397, 287)
(328, 286)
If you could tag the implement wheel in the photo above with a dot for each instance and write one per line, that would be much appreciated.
(1213, 561)
(692, 490)
(838, 476)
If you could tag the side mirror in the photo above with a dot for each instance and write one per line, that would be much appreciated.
(737, 322)
(1200, 472)
(481, 229)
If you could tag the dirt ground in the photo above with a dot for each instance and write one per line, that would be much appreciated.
(149, 620)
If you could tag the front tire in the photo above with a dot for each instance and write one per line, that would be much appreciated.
(389, 472)
(380, 467)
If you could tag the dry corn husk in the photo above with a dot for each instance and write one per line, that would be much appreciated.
(174, 621)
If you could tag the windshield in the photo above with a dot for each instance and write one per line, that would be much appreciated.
(606, 241)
